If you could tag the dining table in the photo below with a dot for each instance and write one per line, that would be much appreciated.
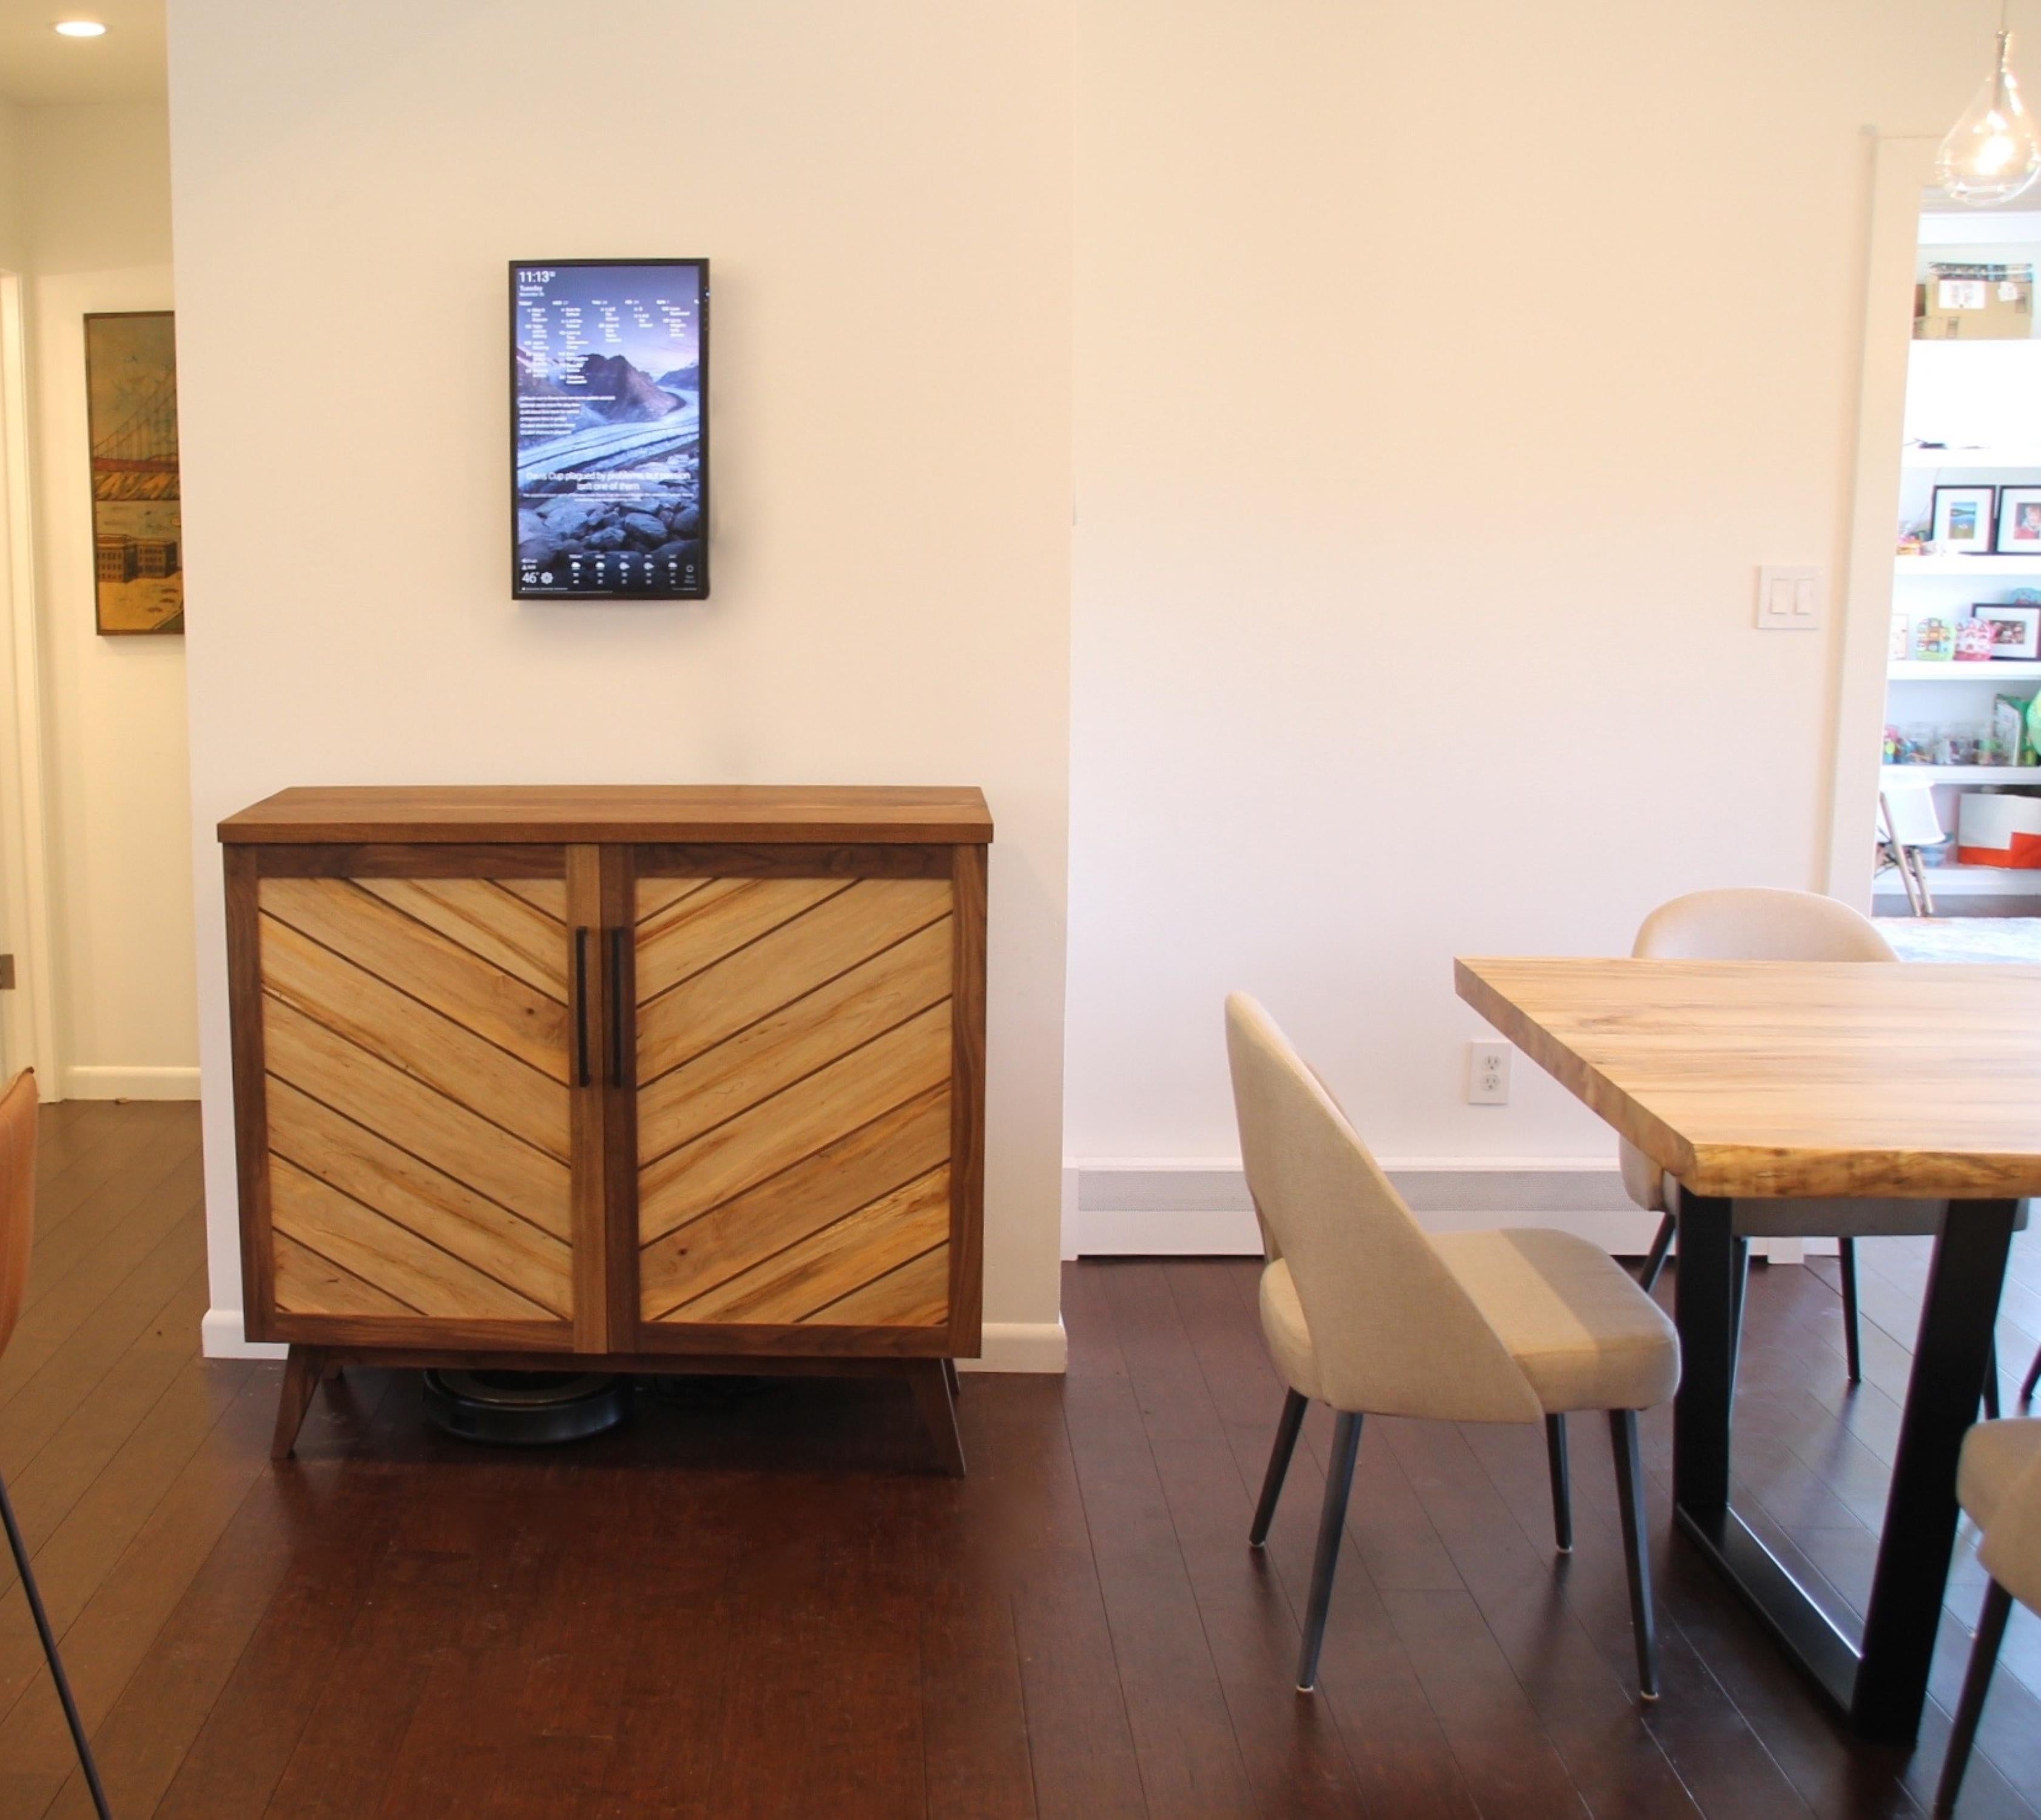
(1816, 1080)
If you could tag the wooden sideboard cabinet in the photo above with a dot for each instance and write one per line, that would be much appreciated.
(619, 1078)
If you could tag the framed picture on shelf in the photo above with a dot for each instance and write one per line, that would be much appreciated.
(2019, 521)
(2015, 630)
(1961, 524)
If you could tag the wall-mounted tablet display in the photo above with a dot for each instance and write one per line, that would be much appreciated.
(609, 409)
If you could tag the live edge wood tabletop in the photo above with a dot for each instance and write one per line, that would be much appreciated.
(622, 1078)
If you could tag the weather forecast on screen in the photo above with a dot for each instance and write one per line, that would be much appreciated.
(609, 400)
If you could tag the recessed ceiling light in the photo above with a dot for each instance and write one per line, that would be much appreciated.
(81, 28)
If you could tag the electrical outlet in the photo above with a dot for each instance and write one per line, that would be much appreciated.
(1488, 1072)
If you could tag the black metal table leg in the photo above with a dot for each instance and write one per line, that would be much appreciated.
(1704, 1311)
(1880, 1683)
(1957, 1316)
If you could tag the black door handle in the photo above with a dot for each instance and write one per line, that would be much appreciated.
(580, 1005)
(618, 1049)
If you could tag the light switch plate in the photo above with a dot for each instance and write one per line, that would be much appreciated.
(1790, 598)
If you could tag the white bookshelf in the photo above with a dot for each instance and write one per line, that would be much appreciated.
(1994, 671)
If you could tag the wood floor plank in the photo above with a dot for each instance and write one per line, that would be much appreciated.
(750, 1600)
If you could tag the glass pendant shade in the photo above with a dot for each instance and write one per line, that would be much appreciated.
(1993, 153)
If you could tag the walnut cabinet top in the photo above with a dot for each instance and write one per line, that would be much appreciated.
(748, 814)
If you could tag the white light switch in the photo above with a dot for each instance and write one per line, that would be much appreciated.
(1789, 599)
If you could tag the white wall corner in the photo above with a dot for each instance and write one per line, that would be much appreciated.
(131, 1083)
(224, 1335)
(1071, 1179)
(1021, 1346)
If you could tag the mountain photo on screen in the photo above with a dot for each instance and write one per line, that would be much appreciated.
(610, 396)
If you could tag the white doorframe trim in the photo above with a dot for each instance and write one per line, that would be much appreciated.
(27, 1014)
(1903, 171)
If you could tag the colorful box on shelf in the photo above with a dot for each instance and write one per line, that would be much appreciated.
(1999, 831)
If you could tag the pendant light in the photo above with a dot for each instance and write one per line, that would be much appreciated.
(1993, 154)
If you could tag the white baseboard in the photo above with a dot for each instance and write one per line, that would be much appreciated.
(131, 1083)
(1020, 1346)
(1008, 1345)
(223, 1334)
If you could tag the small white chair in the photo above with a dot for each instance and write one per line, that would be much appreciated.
(1365, 1311)
(1768, 925)
(1998, 1484)
(1906, 823)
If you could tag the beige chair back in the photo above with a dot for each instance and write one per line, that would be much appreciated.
(1392, 1331)
(2011, 1550)
(18, 1197)
(1752, 924)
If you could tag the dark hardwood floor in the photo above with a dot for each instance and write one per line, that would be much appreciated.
(747, 1605)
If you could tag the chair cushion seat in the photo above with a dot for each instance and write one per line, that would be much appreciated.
(1583, 1333)
(1289, 1339)
(1994, 1455)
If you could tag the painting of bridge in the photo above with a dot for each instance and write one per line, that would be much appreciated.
(130, 384)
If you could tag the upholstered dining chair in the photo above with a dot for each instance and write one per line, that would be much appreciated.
(1365, 1310)
(1769, 924)
(1998, 1484)
(17, 1221)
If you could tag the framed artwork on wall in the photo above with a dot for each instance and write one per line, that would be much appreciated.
(1962, 523)
(609, 429)
(2019, 521)
(131, 402)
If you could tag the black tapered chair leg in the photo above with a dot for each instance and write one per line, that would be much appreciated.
(1654, 1259)
(1332, 1523)
(1630, 1499)
(1976, 1682)
(2033, 1377)
(1295, 1403)
(1852, 1341)
(1739, 1292)
(34, 1598)
(1991, 1384)
(1562, 1483)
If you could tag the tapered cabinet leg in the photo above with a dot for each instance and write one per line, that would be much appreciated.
(1295, 1403)
(19, 1550)
(1332, 1524)
(1853, 1339)
(950, 1376)
(932, 1393)
(1636, 1546)
(1562, 1483)
(1976, 1683)
(302, 1372)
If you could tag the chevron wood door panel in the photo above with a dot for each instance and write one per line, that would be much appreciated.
(793, 1097)
(417, 1050)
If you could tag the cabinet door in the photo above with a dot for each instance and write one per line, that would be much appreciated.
(414, 1023)
(796, 1095)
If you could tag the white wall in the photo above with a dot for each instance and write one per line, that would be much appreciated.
(1443, 375)
(884, 192)
(96, 194)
